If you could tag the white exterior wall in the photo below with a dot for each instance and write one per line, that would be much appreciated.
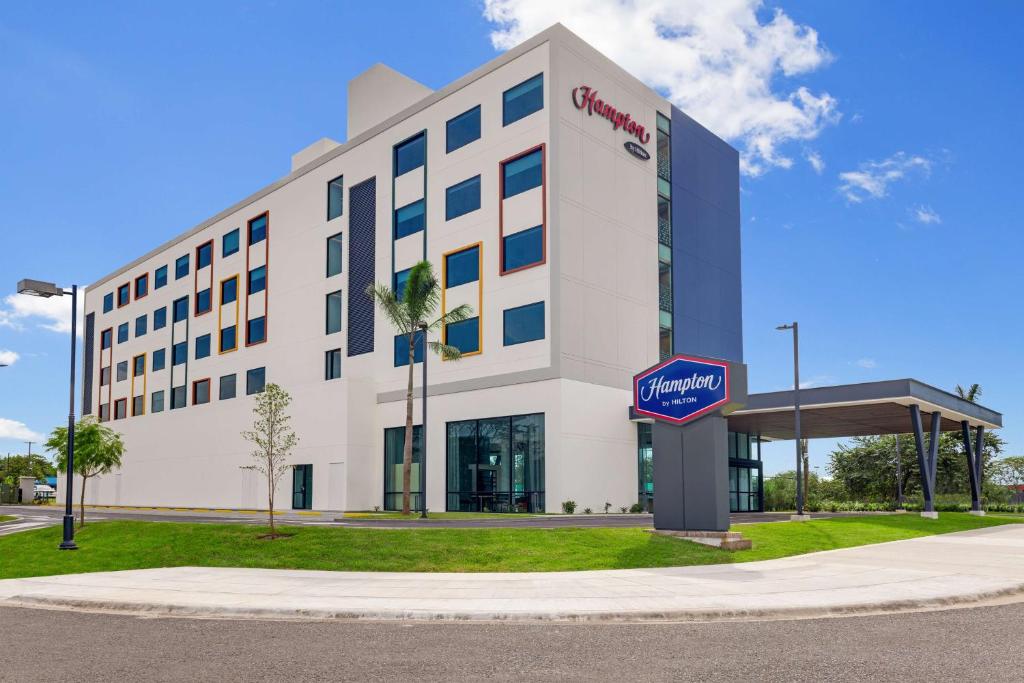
(599, 286)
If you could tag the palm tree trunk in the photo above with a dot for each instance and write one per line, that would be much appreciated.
(407, 450)
(81, 504)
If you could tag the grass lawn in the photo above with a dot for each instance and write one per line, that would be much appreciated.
(369, 514)
(113, 545)
(6, 518)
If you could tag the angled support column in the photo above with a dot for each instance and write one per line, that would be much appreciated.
(926, 460)
(973, 455)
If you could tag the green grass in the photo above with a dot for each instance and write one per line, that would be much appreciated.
(114, 545)
(6, 518)
(432, 515)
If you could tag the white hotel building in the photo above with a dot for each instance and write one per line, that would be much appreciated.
(583, 261)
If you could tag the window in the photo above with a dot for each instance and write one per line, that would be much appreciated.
(410, 154)
(229, 243)
(409, 219)
(462, 267)
(140, 325)
(179, 353)
(464, 335)
(257, 279)
(160, 318)
(522, 100)
(255, 380)
(122, 333)
(227, 387)
(202, 346)
(180, 307)
(398, 285)
(108, 302)
(463, 129)
(122, 371)
(496, 464)
(402, 349)
(394, 453)
(139, 365)
(257, 229)
(181, 267)
(334, 312)
(228, 339)
(156, 402)
(159, 359)
(160, 277)
(120, 407)
(204, 255)
(200, 392)
(334, 263)
(332, 364)
(229, 290)
(524, 324)
(645, 464)
(106, 338)
(104, 376)
(522, 173)
(462, 198)
(335, 197)
(177, 397)
(523, 249)
(256, 331)
(139, 405)
(142, 285)
(124, 295)
(104, 412)
(203, 302)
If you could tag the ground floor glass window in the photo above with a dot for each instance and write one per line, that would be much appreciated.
(645, 465)
(394, 451)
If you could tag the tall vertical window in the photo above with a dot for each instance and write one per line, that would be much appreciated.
(464, 335)
(462, 267)
(335, 197)
(524, 323)
(108, 302)
(139, 405)
(139, 365)
(332, 364)
(204, 255)
(522, 100)
(665, 296)
(410, 219)
(159, 359)
(334, 253)
(180, 309)
(257, 279)
(122, 371)
(462, 198)
(122, 333)
(229, 243)
(410, 154)
(402, 349)
(200, 392)
(160, 277)
(522, 249)
(120, 408)
(203, 301)
(334, 312)
(160, 318)
(398, 283)
(157, 402)
(255, 380)
(394, 452)
(179, 353)
(256, 331)
(181, 267)
(104, 376)
(227, 387)
(228, 339)
(106, 338)
(522, 173)
(140, 326)
(645, 465)
(229, 290)
(177, 397)
(257, 229)
(202, 346)
(124, 295)
(142, 285)
(462, 130)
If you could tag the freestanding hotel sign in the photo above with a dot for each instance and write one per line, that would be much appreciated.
(681, 389)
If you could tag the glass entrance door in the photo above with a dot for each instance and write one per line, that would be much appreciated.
(302, 487)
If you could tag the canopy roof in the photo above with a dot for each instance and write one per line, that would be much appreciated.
(866, 409)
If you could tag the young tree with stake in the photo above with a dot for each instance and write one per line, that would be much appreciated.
(273, 440)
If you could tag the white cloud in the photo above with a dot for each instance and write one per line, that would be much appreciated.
(8, 357)
(927, 215)
(867, 363)
(11, 429)
(52, 314)
(715, 59)
(816, 381)
(815, 160)
(871, 180)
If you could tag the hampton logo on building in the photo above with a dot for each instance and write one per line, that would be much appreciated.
(681, 389)
(585, 97)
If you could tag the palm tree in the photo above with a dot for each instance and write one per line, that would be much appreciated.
(971, 393)
(409, 312)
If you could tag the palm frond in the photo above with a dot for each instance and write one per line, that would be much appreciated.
(456, 315)
(394, 310)
(446, 351)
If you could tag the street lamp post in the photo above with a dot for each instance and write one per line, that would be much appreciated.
(46, 290)
(796, 415)
(423, 429)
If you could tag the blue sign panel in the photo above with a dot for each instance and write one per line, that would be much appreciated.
(681, 389)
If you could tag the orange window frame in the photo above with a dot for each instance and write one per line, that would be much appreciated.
(480, 294)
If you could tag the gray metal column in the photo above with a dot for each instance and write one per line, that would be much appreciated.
(926, 460)
(973, 456)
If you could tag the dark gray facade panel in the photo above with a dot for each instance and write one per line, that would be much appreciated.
(362, 231)
(87, 362)
(691, 475)
(706, 277)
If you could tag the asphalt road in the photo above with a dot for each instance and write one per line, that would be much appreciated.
(964, 644)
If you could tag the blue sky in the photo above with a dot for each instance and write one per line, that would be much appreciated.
(880, 203)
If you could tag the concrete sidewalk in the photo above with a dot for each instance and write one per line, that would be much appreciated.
(926, 572)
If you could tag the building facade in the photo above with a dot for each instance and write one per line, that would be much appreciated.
(592, 227)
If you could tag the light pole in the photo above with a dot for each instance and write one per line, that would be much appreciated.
(46, 290)
(423, 429)
(796, 414)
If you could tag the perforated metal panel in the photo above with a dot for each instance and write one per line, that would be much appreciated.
(362, 202)
(87, 363)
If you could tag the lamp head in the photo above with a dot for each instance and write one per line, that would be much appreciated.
(784, 327)
(39, 288)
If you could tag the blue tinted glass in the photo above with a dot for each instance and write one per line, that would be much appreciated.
(139, 366)
(335, 197)
(257, 279)
(258, 229)
(179, 353)
(334, 312)
(257, 331)
(159, 359)
(180, 309)
(523, 248)
(464, 335)
(410, 154)
(160, 277)
(229, 243)
(203, 303)
(141, 286)
(177, 397)
(202, 346)
(204, 254)
(523, 100)
(122, 333)
(398, 287)
(140, 326)
(524, 324)
(463, 129)
(181, 267)
(409, 219)
(229, 290)
(402, 349)
(108, 302)
(334, 262)
(124, 295)
(105, 336)
(462, 198)
(522, 174)
(462, 267)
(160, 318)
(255, 380)
(228, 338)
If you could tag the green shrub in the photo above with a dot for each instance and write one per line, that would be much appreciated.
(587, 511)
(636, 508)
(568, 506)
